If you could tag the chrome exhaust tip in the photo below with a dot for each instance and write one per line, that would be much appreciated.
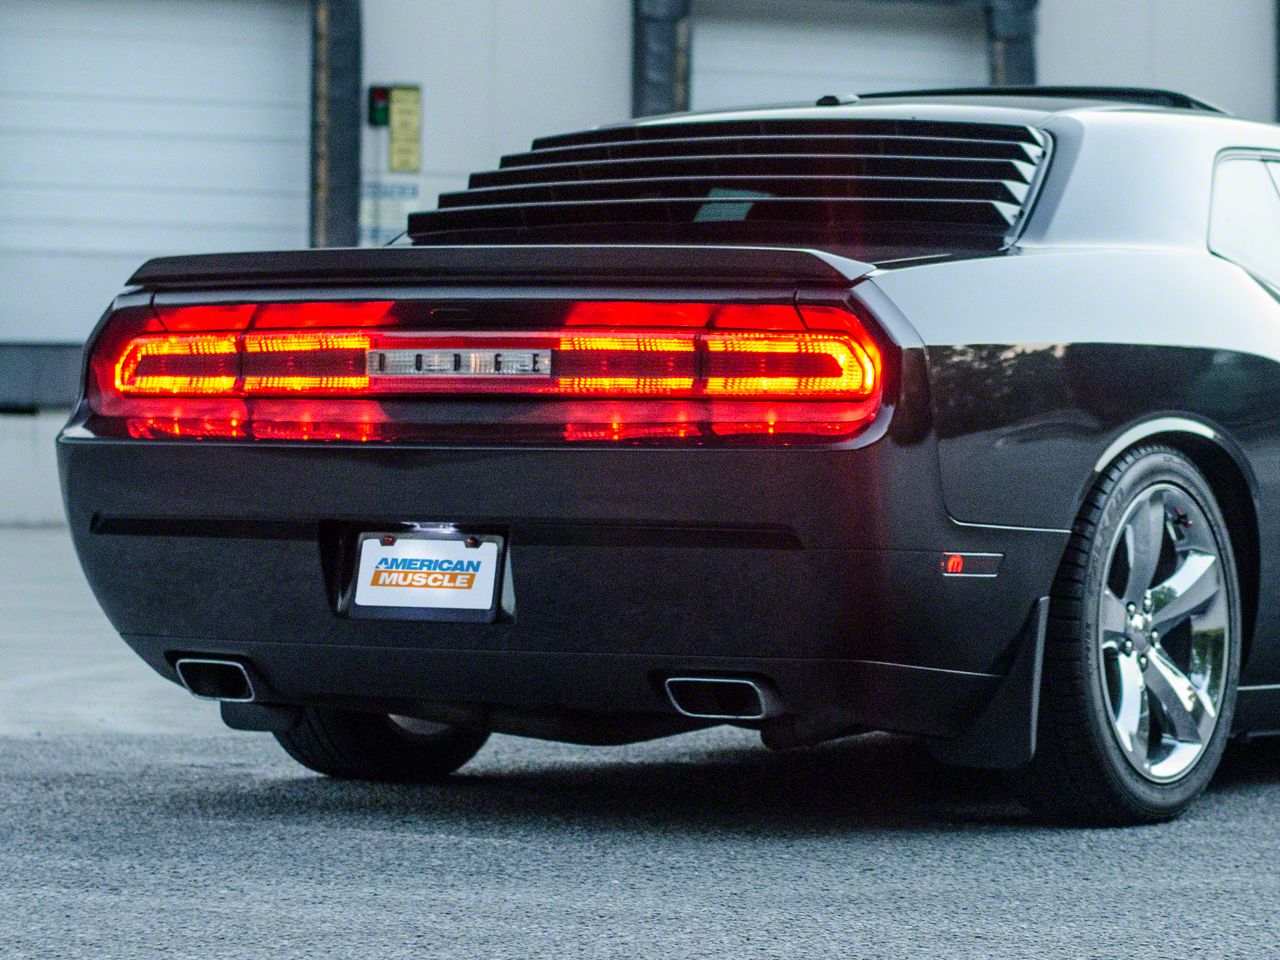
(722, 698)
(226, 681)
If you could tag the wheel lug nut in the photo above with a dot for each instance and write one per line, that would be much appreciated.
(1132, 608)
(1128, 646)
(1146, 604)
(1142, 662)
(1155, 636)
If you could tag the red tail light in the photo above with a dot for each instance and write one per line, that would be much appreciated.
(651, 363)
(646, 371)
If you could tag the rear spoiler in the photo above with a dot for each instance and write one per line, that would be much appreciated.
(577, 264)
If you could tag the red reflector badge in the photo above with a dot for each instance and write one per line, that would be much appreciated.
(970, 564)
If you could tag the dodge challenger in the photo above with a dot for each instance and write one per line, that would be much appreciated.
(954, 414)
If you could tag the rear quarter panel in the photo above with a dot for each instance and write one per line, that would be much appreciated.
(1038, 362)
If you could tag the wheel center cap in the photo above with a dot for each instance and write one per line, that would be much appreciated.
(1140, 627)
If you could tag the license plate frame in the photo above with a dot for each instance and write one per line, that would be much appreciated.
(405, 600)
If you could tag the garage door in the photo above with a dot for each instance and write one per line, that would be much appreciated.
(765, 51)
(130, 128)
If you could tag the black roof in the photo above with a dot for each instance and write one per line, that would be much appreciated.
(1071, 95)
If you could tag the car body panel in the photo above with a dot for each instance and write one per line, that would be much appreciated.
(1013, 375)
(1064, 376)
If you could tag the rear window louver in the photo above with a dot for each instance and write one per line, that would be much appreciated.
(759, 181)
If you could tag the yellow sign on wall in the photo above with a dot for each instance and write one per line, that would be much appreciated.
(404, 154)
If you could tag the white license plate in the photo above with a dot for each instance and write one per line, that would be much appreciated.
(428, 573)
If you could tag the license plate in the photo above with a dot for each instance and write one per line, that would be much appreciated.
(428, 576)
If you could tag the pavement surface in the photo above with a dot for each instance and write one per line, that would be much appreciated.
(133, 825)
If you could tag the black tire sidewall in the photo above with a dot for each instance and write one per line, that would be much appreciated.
(1139, 471)
(371, 746)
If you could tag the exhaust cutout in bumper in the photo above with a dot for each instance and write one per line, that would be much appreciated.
(722, 698)
(226, 681)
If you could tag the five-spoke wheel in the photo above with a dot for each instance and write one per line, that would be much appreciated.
(1143, 649)
(1165, 629)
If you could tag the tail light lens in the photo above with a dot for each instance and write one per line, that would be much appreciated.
(606, 371)
(588, 363)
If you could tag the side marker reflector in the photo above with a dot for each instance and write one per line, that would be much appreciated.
(970, 564)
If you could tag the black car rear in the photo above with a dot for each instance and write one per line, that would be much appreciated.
(687, 482)
(799, 543)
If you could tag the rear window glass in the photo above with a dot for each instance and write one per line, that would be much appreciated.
(1244, 225)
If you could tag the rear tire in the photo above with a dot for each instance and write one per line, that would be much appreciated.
(375, 746)
(1142, 653)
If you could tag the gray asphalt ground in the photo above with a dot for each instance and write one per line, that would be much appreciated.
(133, 825)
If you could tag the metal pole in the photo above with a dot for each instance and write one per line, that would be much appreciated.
(335, 123)
(660, 56)
(1011, 39)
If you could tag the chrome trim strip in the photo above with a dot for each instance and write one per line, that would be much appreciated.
(1006, 526)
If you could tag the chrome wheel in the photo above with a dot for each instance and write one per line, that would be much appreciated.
(1164, 633)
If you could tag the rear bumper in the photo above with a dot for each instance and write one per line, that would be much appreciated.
(817, 569)
(882, 696)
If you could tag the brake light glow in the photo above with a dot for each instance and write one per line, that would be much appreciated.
(766, 365)
(620, 370)
(644, 364)
(191, 365)
(313, 363)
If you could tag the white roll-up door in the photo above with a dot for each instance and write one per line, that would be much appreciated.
(133, 128)
(765, 51)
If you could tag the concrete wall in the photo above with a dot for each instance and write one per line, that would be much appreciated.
(29, 494)
(1221, 50)
(761, 51)
(494, 74)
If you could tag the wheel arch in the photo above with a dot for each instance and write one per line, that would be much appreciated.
(1233, 483)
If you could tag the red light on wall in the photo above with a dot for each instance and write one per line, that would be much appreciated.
(379, 109)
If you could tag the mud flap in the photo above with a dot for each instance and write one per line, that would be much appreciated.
(1003, 737)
